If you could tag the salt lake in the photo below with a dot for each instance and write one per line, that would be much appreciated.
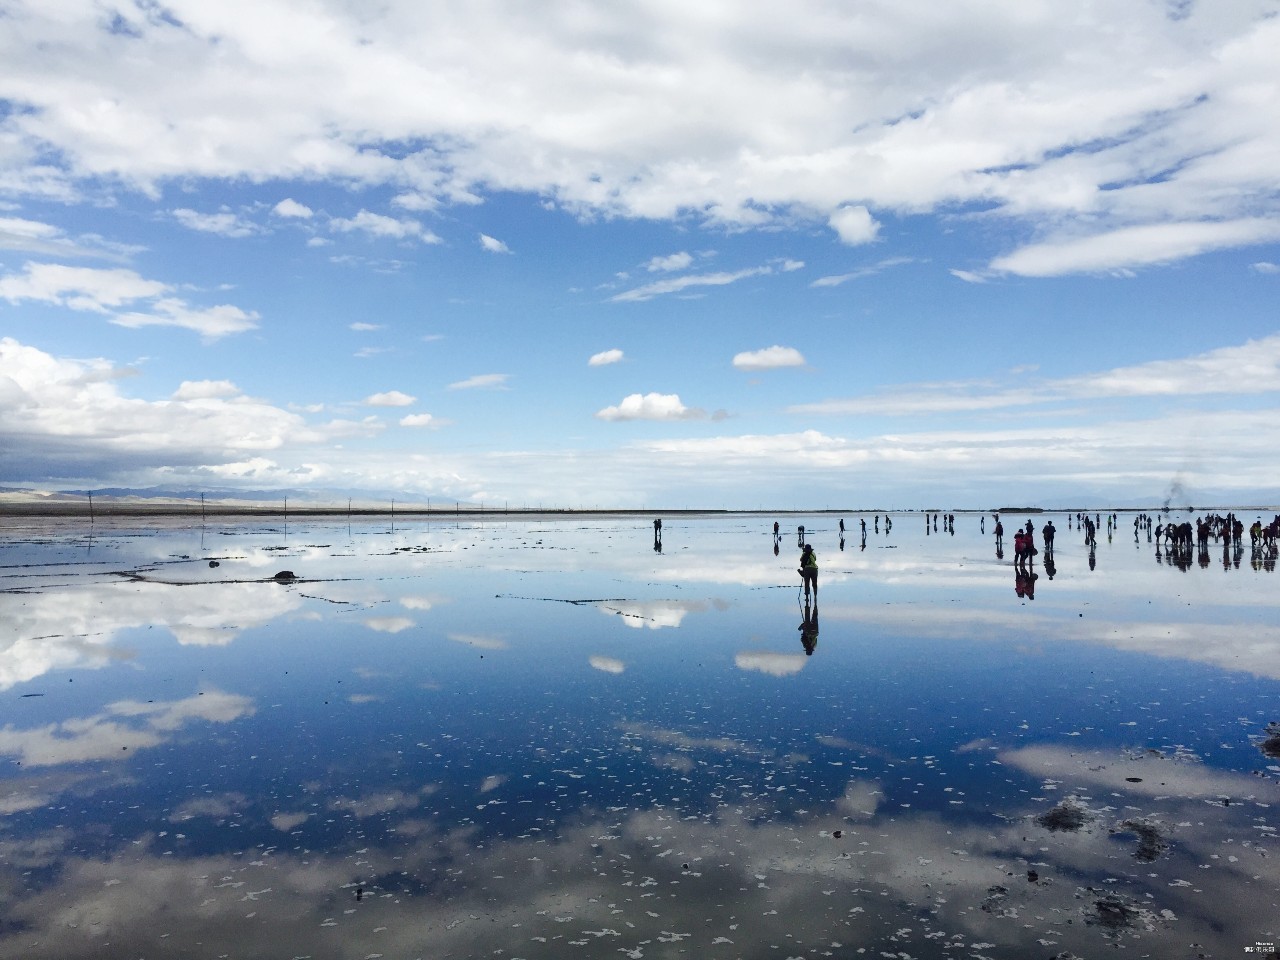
(535, 737)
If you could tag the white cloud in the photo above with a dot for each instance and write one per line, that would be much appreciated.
(42, 238)
(868, 271)
(968, 276)
(389, 624)
(224, 223)
(854, 225)
(420, 420)
(206, 390)
(80, 288)
(98, 290)
(211, 323)
(670, 263)
(1264, 266)
(607, 664)
(479, 641)
(1250, 368)
(493, 245)
(63, 417)
(774, 664)
(361, 327)
(680, 284)
(288, 207)
(392, 398)
(1137, 246)
(106, 737)
(377, 225)
(748, 121)
(790, 266)
(604, 358)
(650, 406)
(769, 358)
(484, 381)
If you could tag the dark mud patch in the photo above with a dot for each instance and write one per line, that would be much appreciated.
(1067, 816)
(1152, 842)
(1114, 915)
(1270, 747)
(995, 900)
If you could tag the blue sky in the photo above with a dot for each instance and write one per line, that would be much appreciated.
(739, 255)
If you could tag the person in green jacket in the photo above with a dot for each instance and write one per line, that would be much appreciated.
(809, 569)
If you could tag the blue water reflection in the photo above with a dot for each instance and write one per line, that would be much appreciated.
(539, 737)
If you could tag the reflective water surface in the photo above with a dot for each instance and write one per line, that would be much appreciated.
(564, 737)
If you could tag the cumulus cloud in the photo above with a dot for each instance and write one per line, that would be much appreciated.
(100, 290)
(288, 207)
(80, 288)
(493, 245)
(607, 664)
(211, 323)
(33, 236)
(206, 390)
(392, 398)
(484, 381)
(604, 358)
(1155, 120)
(66, 416)
(854, 225)
(377, 225)
(224, 223)
(1265, 266)
(671, 262)
(421, 420)
(650, 406)
(769, 358)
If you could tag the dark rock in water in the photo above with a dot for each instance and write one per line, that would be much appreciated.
(213, 563)
(1112, 913)
(286, 576)
(1033, 876)
(1151, 842)
(837, 834)
(1065, 816)
(1271, 745)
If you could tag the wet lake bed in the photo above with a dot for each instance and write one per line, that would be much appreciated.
(538, 738)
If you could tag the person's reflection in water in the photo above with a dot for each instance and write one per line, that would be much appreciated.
(777, 545)
(842, 544)
(1024, 581)
(1093, 555)
(864, 540)
(809, 627)
(1050, 567)
(657, 536)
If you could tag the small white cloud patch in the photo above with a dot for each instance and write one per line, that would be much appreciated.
(604, 358)
(854, 225)
(769, 358)
(650, 406)
(392, 398)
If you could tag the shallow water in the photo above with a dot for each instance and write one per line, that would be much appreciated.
(541, 739)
